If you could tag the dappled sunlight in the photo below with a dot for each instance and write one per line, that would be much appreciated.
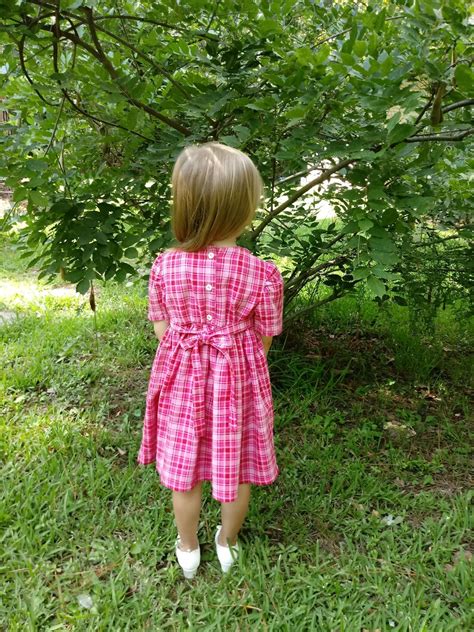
(30, 294)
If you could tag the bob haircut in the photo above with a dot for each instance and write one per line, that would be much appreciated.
(216, 190)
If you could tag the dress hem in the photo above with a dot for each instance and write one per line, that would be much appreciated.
(260, 484)
(200, 480)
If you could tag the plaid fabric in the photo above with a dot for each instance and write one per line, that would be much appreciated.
(209, 408)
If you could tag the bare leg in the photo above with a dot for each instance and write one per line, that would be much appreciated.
(187, 507)
(233, 515)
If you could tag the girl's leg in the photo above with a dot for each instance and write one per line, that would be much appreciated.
(233, 515)
(187, 507)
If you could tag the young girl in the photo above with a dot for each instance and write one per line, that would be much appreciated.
(215, 307)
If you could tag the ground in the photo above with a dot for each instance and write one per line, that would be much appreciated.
(366, 528)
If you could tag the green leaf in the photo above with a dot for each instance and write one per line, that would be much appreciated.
(83, 286)
(242, 132)
(378, 232)
(360, 273)
(129, 240)
(359, 47)
(389, 216)
(131, 253)
(136, 548)
(19, 194)
(61, 206)
(382, 245)
(393, 120)
(73, 4)
(387, 258)
(38, 198)
(365, 224)
(75, 275)
(464, 77)
(347, 59)
(256, 106)
(419, 203)
(322, 53)
(268, 26)
(101, 237)
(401, 131)
(35, 164)
(375, 285)
(304, 55)
(351, 227)
(233, 141)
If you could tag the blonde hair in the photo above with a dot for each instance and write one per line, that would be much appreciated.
(216, 190)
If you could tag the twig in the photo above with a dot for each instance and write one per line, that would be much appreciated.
(55, 126)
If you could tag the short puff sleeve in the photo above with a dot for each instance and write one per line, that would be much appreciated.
(268, 314)
(156, 295)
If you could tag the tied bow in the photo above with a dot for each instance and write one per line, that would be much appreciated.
(191, 341)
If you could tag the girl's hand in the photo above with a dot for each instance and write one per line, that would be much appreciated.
(160, 326)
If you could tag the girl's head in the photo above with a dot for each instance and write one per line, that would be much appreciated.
(216, 190)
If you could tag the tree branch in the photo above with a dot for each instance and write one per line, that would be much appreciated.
(135, 18)
(153, 64)
(117, 78)
(307, 275)
(332, 297)
(325, 175)
(21, 46)
(298, 279)
(321, 250)
(443, 137)
(103, 59)
(61, 106)
(124, 42)
(397, 17)
(101, 120)
(459, 104)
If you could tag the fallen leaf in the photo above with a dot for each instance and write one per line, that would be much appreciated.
(389, 520)
(85, 601)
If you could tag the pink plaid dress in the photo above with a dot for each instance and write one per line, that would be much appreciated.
(209, 407)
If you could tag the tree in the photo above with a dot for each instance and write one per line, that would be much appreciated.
(374, 96)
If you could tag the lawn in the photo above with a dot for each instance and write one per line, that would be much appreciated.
(366, 528)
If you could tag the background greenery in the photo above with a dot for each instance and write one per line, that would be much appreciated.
(375, 97)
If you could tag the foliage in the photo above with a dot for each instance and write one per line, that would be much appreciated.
(374, 97)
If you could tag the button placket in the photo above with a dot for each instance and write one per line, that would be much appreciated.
(210, 302)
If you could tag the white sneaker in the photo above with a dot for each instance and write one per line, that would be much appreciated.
(227, 556)
(188, 560)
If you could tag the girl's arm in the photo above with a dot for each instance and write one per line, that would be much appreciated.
(160, 327)
(267, 341)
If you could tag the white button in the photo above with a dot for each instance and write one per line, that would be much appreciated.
(210, 255)
(209, 317)
(208, 286)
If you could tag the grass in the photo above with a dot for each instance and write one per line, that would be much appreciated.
(366, 528)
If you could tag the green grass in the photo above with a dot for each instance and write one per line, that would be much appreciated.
(367, 526)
